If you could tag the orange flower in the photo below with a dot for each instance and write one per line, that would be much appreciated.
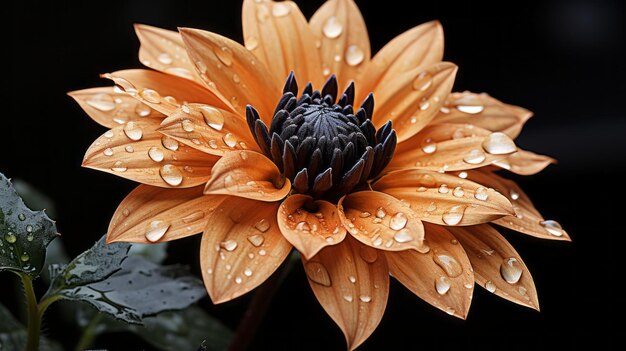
(406, 188)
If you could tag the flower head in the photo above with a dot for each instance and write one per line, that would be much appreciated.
(371, 168)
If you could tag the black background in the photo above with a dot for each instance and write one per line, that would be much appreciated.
(564, 60)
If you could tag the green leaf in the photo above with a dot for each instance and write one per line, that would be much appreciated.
(13, 335)
(127, 288)
(33, 198)
(152, 252)
(24, 234)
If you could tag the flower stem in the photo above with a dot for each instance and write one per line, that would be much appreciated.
(257, 308)
(34, 319)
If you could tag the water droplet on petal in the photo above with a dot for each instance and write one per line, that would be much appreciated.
(193, 217)
(156, 231)
(317, 273)
(169, 143)
(229, 140)
(212, 117)
(442, 285)
(229, 245)
(354, 55)
(150, 96)
(403, 236)
(463, 175)
(443, 189)
(514, 195)
(225, 55)
(449, 264)
(499, 144)
(348, 298)
(552, 227)
(332, 27)
(428, 146)
(364, 214)
(256, 240)
(280, 9)
(187, 125)
(490, 286)
(156, 154)
(165, 59)
(142, 110)
(238, 280)
(365, 298)
(511, 270)
(458, 192)
(133, 131)
(368, 254)
(475, 157)
(423, 81)
(471, 109)
(129, 148)
(398, 221)
(352, 279)
(263, 225)
(380, 213)
(109, 134)
(102, 102)
(481, 193)
(424, 105)
(119, 167)
(252, 42)
(108, 152)
(171, 175)
(453, 215)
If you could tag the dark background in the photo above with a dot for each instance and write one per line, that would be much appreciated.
(564, 60)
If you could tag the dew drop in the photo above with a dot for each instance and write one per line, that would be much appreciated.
(377, 241)
(332, 27)
(317, 273)
(303, 227)
(252, 42)
(10, 238)
(398, 221)
(224, 55)
(431, 207)
(262, 225)
(156, 154)
(365, 298)
(150, 96)
(490, 286)
(458, 192)
(481, 193)
(171, 175)
(169, 143)
(108, 152)
(29, 237)
(133, 131)
(511, 270)
(24, 257)
(256, 240)
(380, 213)
(471, 109)
(118, 166)
(428, 146)
(423, 81)
(453, 215)
(229, 140)
(442, 285)
(236, 78)
(364, 214)
(247, 272)
(102, 102)
(424, 105)
(212, 117)
(165, 59)
(368, 254)
(552, 227)
(474, 157)
(463, 175)
(229, 245)
(499, 144)
(280, 10)
(403, 236)
(354, 55)
(443, 189)
(238, 280)
(514, 195)
(449, 264)
(212, 144)
(29, 228)
(193, 217)
(109, 134)
(187, 125)
(156, 231)
(348, 298)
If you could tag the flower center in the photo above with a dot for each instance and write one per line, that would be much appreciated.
(322, 145)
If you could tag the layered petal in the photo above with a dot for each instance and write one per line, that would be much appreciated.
(443, 198)
(526, 219)
(162, 92)
(164, 50)
(411, 100)
(420, 46)
(208, 129)
(241, 247)
(442, 277)
(138, 152)
(310, 225)
(381, 221)
(525, 162)
(230, 70)
(279, 36)
(150, 214)
(483, 111)
(497, 266)
(110, 108)
(247, 174)
(351, 282)
(340, 29)
(452, 147)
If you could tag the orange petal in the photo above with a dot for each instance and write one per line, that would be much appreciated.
(111, 108)
(443, 198)
(247, 174)
(483, 111)
(310, 230)
(137, 151)
(527, 219)
(339, 26)
(381, 221)
(411, 100)
(497, 266)
(241, 247)
(229, 69)
(421, 46)
(525, 162)
(150, 214)
(162, 92)
(351, 281)
(452, 147)
(442, 277)
(164, 50)
(208, 129)
(279, 36)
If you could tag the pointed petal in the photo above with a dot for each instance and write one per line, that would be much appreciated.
(453, 147)
(339, 26)
(208, 129)
(162, 92)
(421, 46)
(381, 221)
(279, 36)
(164, 50)
(138, 152)
(525, 162)
(412, 100)
(527, 219)
(111, 108)
(241, 247)
(483, 111)
(309, 231)
(150, 214)
(443, 198)
(442, 277)
(497, 266)
(351, 282)
(247, 174)
(233, 71)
